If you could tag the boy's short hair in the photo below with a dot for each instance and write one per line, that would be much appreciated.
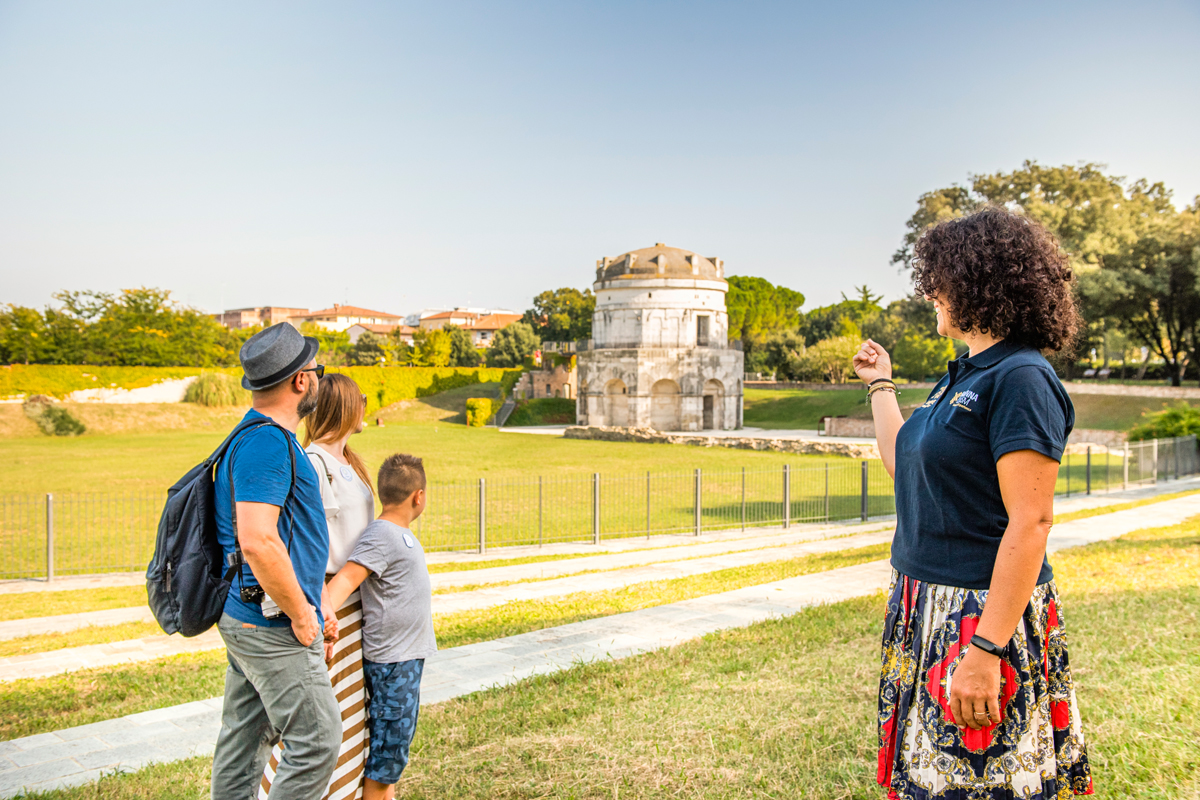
(400, 476)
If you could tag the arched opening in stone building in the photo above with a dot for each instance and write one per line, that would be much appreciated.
(665, 406)
(616, 403)
(714, 405)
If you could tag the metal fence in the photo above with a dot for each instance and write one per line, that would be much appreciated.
(71, 534)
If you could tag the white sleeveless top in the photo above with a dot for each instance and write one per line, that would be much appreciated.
(349, 505)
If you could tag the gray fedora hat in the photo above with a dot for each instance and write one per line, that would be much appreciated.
(274, 355)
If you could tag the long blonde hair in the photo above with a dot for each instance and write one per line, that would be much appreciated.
(340, 409)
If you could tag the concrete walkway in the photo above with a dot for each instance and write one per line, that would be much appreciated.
(70, 659)
(78, 755)
(64, 623)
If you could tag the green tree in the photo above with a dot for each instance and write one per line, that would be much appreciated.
(918, 357)
(432, 348)
(399, 352)
(512, 345)
(23, 335)
(1097, 217)
(1152, 289)
(757, 308)
(335, 345)
(462, 348)
(832, 358)
(562, 315)
(368, 351)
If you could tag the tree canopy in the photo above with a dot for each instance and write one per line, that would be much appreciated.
(562, 315)
(134, 327)
(512, 345)
(756, 307)
(1134, 254)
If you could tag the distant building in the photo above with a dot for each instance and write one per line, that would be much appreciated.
(359, 328)
(340, 318)
(238, 318)
(660, 355)
(481, 322)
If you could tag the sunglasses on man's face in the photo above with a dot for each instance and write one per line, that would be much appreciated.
(319, 369)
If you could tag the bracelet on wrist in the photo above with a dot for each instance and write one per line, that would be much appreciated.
(986, 646)
(881, 380)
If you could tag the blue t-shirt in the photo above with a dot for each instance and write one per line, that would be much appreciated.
(262, 474)
(950, 514)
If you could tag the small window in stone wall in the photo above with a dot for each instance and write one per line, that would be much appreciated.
(702, 330)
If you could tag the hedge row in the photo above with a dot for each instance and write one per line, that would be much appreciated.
(382, 385)
(60, 380)
(386, 385)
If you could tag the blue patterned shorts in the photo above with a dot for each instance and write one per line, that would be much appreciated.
(395, 699)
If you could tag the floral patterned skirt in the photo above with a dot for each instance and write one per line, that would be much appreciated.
(1036, 751)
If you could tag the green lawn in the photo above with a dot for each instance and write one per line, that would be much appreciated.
(803, 409)
(786, 708)
(798, 408)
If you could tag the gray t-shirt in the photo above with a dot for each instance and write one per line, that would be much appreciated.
(397, 598)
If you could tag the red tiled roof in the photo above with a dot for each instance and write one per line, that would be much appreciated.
(493, 322)
(377, 328)
(451, 315)
(351, 311)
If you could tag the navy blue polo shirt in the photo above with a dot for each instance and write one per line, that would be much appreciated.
(950, 515)
(262, 473)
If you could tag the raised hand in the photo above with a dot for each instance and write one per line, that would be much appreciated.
(872, 361)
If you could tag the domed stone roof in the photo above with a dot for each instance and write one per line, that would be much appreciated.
(660, 261)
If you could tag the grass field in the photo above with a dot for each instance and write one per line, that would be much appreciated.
(786, 708)
(803, 409)
(426, 427)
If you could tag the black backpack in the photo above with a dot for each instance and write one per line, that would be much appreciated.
(188, 579)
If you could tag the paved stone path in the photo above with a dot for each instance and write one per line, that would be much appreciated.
(70, 659)
(79, 755)
(62, 623)
(537, 571)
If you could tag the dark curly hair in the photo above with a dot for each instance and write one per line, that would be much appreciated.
(1000, 273)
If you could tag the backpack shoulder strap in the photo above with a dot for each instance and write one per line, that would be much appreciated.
(237, 559)
(324, 464)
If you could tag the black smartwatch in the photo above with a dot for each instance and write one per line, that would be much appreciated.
(986, 646)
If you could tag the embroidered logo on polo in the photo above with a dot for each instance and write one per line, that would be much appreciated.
(933, 398)
(964, 399)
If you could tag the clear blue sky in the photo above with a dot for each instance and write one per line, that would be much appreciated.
(398, 156)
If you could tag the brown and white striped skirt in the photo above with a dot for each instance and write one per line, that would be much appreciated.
(346, 675)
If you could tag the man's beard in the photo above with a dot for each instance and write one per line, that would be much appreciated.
(308, 403)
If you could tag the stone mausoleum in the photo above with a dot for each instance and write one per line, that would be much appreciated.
(660, 355)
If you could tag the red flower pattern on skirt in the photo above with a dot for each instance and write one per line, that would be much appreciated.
(1035, 752)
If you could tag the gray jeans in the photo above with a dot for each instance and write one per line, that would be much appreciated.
(275, 687)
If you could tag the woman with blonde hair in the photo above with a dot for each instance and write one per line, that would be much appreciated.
(349, 504)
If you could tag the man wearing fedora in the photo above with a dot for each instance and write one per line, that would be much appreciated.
(276, 685)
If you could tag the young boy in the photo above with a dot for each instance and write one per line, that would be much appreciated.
(397, 631)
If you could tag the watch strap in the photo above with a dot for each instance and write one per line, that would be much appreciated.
(986, 646)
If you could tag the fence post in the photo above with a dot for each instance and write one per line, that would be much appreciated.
(596, 508)
(49, 537)
(787, 496)
(647, 504)
(539, 510)
(743, 498)
(1088, 471)
(482, 517)
(865, 491)
(827, 491)
(1125, 474)
(1154, 453)
(697, 502)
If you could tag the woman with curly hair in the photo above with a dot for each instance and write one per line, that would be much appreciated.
(976, 698)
